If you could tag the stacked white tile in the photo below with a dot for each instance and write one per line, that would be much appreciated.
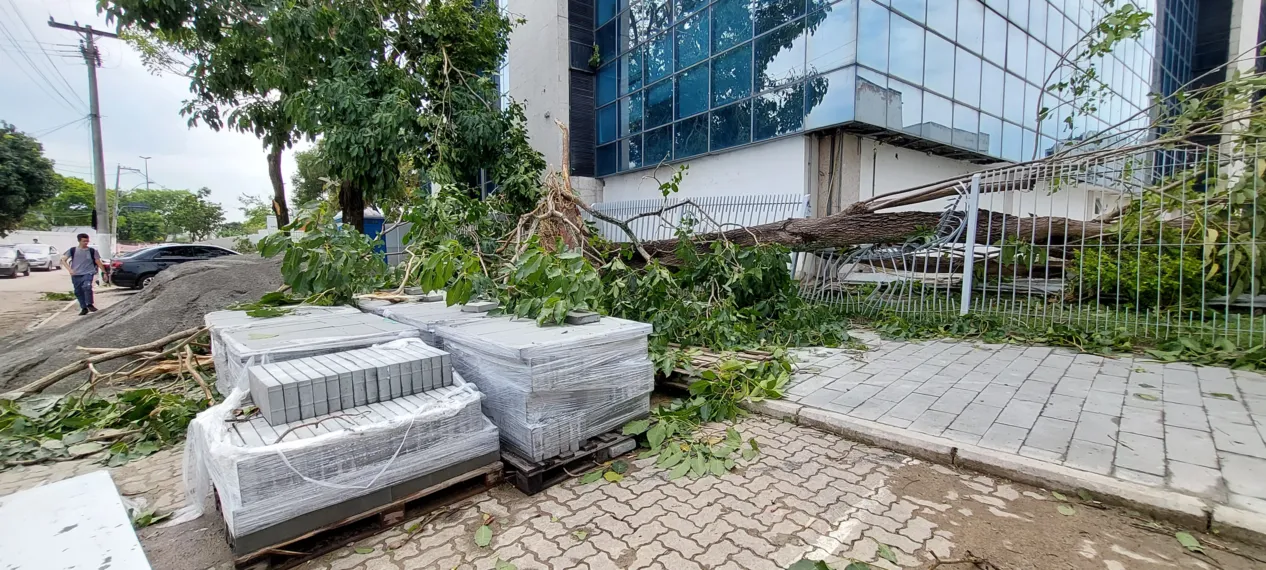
(266, 474)
(220, 321)
(313, 386)
(549, 389)
(427, 317)
(288, 338)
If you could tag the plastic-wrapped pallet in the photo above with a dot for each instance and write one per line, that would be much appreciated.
(286, 338)
(274, 481)
(427, 316)
(549, 389)
(220, 321)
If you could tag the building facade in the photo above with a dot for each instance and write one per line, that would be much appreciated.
(838, 100)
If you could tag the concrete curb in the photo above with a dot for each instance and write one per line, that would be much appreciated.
(1178, 508)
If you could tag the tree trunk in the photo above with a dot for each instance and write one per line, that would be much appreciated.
(850, 229)
(352, 202)
(279, 187)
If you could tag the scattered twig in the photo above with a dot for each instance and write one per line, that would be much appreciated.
(968, 558)
(189, 360)
(77, 366)
(113, 435)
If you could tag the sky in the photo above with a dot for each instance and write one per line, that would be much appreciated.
(44, 93)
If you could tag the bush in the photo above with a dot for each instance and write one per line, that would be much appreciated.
(1143, 277)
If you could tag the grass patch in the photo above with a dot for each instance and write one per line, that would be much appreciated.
(56, 296)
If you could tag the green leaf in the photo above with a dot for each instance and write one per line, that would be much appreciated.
(1059, 496)
(859, 565)
(886, 553)
(1189, 542)
(364, 550)
(698, 466)
(732, 436)
(1147, 397)
(717, 467)
(1066, 510)
(636, 427)
(483, 536)
(591, 477)
(679, 470)
(806, 564)
(503, 565)
(649, 453)
(1085, 495)
(656, 435)
(1222, 396)
(580, 535)
(620, 466)
(612, 476)
(749, 454)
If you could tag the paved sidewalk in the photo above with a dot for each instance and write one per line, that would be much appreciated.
(1196, 430)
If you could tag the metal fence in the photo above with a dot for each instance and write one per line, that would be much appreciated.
(660, 218)
(1155, 243)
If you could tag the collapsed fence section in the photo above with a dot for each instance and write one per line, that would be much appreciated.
(1152, 243)
(658, 219)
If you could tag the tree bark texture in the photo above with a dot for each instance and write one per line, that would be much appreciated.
(352, 201)
(851, 229)
(279, 187)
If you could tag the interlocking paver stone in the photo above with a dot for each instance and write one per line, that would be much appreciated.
(1127, 417)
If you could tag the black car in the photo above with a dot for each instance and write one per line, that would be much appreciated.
(138, 268)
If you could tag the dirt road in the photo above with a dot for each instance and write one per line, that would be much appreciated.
(22, 306)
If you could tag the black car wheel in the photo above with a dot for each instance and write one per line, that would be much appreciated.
(144, 281)
(27, 273)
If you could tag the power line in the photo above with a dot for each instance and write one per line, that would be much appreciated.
(60, 127)
(31, 33)
(47, 86)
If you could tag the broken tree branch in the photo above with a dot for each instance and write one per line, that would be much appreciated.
(197, 377)
(80, 365)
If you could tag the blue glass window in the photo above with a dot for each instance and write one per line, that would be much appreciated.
(938, 117)
(1055, 30)
(915, 9)
(906, 111)
(631, 153)
(906, 45)
(780, 56)
(607, 9)
(1017, 44)
(731, 24)
(1018, 12)
(991, 77)
(967, 77)
(732, 125)
(778, 113)
(732, 75)
(1037, 20)
(631, 70)
(943, 17)
(631, 114)
(1013, 110)
(1035, 70)
(691, 137)
(655, 15)
(999, 5)
(608, 40)
(773, 13)
(966, 128)
(692, 40)
(608, 119)
(971, 22)
(686, 7)
(607, 159)
(830, 98)
(692, 91)
(938, 69)
(659, 58)
(873, 98)
(608, 85)
(659, 104)
(1071, 33)
(872, 45)
(832, 37)
(991, 135)
(995, 38)
(657, 146)
(1030, 106)
(1030, 139)
(1012, 143)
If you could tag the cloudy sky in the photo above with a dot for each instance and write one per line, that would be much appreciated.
(44, 92)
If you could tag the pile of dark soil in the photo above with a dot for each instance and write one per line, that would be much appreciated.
(175, 301)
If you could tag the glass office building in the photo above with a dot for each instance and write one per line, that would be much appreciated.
(962, 78)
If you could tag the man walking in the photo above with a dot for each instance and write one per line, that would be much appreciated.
(82, 263)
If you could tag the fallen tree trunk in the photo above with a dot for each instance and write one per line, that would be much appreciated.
(851, 229)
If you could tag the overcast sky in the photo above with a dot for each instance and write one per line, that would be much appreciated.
(140, 113)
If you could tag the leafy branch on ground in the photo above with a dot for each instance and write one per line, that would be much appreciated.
(56, 296)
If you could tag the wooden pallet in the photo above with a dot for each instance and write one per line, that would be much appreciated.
(532, 477)
(326, 538)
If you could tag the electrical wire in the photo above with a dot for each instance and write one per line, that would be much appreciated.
(31, 33)
(47, 85)
(52, 130)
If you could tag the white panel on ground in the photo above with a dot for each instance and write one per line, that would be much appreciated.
(77, 523)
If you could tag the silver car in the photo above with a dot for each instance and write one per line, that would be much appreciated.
(13, 261)
(40, 256)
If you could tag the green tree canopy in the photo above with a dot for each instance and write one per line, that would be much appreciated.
(310, 169)
(197, 216)
(26, 176)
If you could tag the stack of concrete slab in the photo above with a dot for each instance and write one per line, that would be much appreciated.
(427, 316)
(549, 389)
(280, 479)
(220, 321)
(314, 386)
(287, 338)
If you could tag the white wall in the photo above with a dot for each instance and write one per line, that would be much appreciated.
(776, 167)
(63, 240)
(537, 71)
(886, 169)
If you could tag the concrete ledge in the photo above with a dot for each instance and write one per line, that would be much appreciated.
(1239, 524)
(1177, 508)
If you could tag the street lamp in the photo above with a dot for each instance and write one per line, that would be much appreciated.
(146, 159)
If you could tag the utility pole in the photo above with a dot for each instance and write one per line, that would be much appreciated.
(92, 58)
(146, 159)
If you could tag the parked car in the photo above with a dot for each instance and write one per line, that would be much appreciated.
(41, 256)
(13, 261)
(138, 268)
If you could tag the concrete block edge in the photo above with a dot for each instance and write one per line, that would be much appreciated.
(1240, 524)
